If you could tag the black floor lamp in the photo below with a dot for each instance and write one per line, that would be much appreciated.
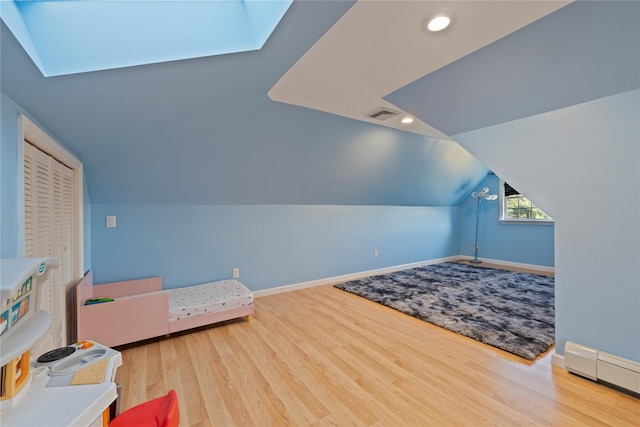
(484, 194)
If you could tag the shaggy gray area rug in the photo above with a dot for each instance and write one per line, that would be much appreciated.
(509, 310)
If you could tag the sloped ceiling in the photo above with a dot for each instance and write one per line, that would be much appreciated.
(380, 46)
(204, 130)
(584, 51)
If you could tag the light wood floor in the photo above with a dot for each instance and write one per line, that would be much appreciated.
(321, 356)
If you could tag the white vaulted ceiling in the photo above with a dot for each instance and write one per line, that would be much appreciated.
(378, 47)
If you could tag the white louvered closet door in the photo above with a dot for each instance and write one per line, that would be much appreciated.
(67, 265)
(48, 217)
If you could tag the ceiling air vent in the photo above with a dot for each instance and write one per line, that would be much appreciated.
(382, 114)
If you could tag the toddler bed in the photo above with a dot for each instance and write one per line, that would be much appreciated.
(140, 309)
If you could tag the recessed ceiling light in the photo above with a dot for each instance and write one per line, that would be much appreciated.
(407, 120)
(438, 23)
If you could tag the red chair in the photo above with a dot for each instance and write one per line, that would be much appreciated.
(160, 412)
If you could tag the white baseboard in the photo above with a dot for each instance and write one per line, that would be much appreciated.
(557, 360)
(387, 270)
(534, 267)
(347, 277)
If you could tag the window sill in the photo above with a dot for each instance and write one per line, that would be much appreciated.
(527, 221)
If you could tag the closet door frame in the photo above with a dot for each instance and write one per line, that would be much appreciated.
(29, 131)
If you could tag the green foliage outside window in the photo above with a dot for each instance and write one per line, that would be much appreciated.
(519, 207)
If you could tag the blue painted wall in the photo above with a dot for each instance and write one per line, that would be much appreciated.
(8, 184)
(273, 245)
(592, 149)
(519, 243)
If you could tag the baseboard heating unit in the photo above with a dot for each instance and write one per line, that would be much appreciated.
(600, 366)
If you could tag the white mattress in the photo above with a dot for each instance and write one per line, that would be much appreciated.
(207, 298)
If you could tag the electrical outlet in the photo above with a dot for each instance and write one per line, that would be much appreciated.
(375, 253)
(236, 273)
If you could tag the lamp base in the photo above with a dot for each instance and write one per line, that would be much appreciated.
(475, 261)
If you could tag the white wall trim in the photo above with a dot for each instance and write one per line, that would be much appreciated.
(541, 268)
(29, 131)
(387, 270)
(36, 136)
(21, 133)
(557, 360)
(347, 277)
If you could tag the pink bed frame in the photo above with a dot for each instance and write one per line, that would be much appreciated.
(128, 320)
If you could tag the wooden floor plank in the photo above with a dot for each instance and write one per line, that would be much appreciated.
(323, 357)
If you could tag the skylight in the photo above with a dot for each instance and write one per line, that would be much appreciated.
(75, 36)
